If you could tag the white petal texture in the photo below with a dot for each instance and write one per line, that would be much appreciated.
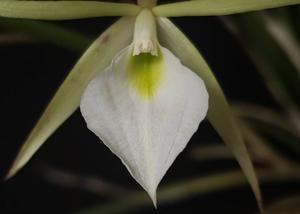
(145, 109)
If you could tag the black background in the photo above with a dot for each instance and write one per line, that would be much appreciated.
(30, 74)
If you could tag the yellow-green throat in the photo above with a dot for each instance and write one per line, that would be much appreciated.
(145, 73)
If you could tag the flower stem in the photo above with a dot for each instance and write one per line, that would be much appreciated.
(147, 3)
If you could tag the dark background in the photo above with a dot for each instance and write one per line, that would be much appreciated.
(30, 74)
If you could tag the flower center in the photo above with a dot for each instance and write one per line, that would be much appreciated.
(146, 66)
(145, 72)
(145, 39)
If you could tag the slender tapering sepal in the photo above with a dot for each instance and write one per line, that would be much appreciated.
(67, 98)
(217, 7)
(219, 113)
(62, 10)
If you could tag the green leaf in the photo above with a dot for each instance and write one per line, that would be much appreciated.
(67, 98)
(172, 192)
(265, 115)
(288, 205)
(47, 32)
(280, 74)
(219, 113)
(262, 151)
(217, 7)
(285, 39)
(272, 125)
(186, 189)
(282, 137)
(63, 10)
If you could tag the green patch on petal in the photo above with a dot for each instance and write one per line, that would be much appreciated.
(145, 72)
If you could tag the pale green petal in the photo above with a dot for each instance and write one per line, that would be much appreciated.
(219, 113)
(63, 10)
(218, 7)
(145, 122)
(67, 98)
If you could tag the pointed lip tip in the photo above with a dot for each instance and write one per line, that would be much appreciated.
(153, 199)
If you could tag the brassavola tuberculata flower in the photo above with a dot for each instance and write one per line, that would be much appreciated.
(145, 106)
(142, 85)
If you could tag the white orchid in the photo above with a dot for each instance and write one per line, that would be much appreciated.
(145, 106)
(142, 86)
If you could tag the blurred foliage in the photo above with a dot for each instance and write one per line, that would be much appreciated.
(280, 74)
(272, 40)
(47, 32)
(290, 205)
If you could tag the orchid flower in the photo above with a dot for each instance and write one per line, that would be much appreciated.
(145, 106)
(142, 87)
